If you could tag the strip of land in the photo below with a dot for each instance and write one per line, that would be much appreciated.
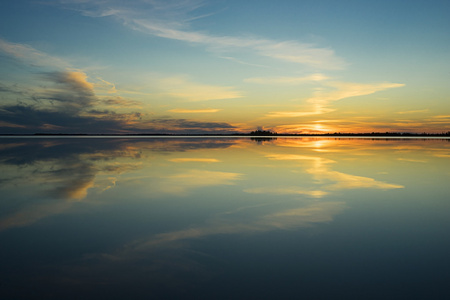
(257, 133)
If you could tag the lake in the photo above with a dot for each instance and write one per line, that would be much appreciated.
(224, 218)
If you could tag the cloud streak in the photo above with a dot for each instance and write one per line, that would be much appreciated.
(182, 87)
(31, 56)
(291, 190)
(322, 98)
(343, 90)
(193, 111)
(413, 111)
(29, 119)
(287, 80)
(172, 21)
(194, 159)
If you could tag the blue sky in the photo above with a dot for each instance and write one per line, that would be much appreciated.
(224, 66)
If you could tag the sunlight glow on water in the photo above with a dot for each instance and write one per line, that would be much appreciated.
(224, 218)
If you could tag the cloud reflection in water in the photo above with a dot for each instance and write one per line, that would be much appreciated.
(152, 202)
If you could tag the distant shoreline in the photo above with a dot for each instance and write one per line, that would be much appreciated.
(266, 136)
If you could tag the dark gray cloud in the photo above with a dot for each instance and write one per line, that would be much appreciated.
(120, 102)
(182, 123)
(13, 89)
(169, 125)
(67, 105)
(72, 93)
(64, 101)
(29, 119)
(22, 119)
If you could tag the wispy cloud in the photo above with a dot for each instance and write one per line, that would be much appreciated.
(194, 111)
(171, 125)
(290, 190)
(412, 160)
(31, 56)
(172, 20)
(120, 102)
(293, 114)
(343, 90)
(194, 159)
(413, 111)
(440, 122)
(287, 80)
(339, 90)
(108, 86)
(440, 119)
(182, 87)
(12, 89)
(243, 62)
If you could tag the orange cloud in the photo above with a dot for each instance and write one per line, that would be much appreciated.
(79, 78)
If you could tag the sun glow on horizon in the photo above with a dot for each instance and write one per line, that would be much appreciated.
(180, 73)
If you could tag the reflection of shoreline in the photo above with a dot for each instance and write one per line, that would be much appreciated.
(24, 150)
(263, 140)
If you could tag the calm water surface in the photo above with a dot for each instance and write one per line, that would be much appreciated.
(197, 218)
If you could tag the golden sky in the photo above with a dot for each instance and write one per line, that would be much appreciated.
(223, 66)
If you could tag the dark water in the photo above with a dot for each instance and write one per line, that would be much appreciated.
(305, 218)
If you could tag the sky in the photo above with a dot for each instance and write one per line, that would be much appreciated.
(224, 66)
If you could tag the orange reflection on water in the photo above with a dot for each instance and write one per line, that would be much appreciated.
(58, 172)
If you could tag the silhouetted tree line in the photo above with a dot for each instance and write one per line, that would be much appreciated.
(270, 133)
(262, 132)
(391, 134)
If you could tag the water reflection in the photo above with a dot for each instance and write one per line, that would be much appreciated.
(42, 177)
(156, 215)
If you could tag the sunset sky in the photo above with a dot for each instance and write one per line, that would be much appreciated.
(224, 66)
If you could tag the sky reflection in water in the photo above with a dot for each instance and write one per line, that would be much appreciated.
(224, 218)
